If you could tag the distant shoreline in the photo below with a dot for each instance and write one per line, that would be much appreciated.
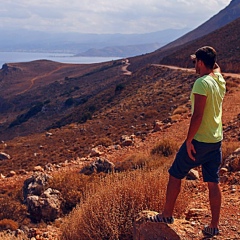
(15, 57)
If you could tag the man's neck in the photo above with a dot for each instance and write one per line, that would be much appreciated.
(206, 71)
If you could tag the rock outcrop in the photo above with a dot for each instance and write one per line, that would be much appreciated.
(46, 207)
(144, 230)
(43, 204)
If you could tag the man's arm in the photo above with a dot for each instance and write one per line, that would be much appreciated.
(196, 119)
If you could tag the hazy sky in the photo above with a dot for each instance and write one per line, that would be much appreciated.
(107, 16)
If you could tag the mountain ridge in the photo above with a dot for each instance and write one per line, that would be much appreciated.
(225, 16)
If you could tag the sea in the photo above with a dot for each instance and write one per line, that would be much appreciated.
(16, 57)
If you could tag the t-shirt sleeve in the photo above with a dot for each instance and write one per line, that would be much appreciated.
(200, 87)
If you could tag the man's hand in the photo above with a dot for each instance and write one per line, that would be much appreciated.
(190, 150)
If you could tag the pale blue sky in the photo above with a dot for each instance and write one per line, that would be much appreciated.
(107, 16)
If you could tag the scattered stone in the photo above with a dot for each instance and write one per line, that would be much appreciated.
(99, 165)
(157, 126)
(222, 171)
(48, 134)
(126, 140)
(38, 169)
(233, 189)
(2, 176)
(95, 152)
(49, 167)
(193, 175)
(11, 174)
(4, 156)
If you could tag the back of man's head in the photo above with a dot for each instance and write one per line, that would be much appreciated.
(208, 55)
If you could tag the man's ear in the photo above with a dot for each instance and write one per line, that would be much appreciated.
(201, 62)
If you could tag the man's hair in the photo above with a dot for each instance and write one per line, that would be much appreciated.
(208, 55)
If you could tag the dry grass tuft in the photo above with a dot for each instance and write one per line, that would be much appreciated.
(132, 162)
(111, 206)
(228, 148)
(104, 141)
(164, 148)
(72, 186)
(11, 204)
(180, 110)
(7, 236)
(8, 224)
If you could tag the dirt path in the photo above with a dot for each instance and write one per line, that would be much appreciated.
(234, 75)
(124, 68)
(32, 81)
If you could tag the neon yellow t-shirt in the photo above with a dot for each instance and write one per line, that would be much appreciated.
(214, 88)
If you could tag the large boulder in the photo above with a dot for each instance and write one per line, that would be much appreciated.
(46, 207)
(145, 230)
(35, 185)
(43, 204)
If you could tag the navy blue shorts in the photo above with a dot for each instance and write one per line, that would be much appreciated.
(208, 155)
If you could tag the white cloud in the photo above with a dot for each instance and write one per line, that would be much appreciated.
(107, 16)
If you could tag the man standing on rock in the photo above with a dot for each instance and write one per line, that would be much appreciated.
(203, 143)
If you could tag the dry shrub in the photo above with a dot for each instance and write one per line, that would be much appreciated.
(231, 85)
(6, 224)
(164, 148)
(8, 236)
(228, 148)
(176, 117)
(72, 186)
(105, 141)
(132, 162)
(11, 202)
(142, 161)
(111, 206)
(149, 113)
(180, 110)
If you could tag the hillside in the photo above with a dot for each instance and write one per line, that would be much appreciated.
(225, 40)
(63, 147)
(130, 105)
(225, 16)
(131, 108)
(217, 22)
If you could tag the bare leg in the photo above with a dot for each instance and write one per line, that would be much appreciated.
(173, 189)
(215, 199)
